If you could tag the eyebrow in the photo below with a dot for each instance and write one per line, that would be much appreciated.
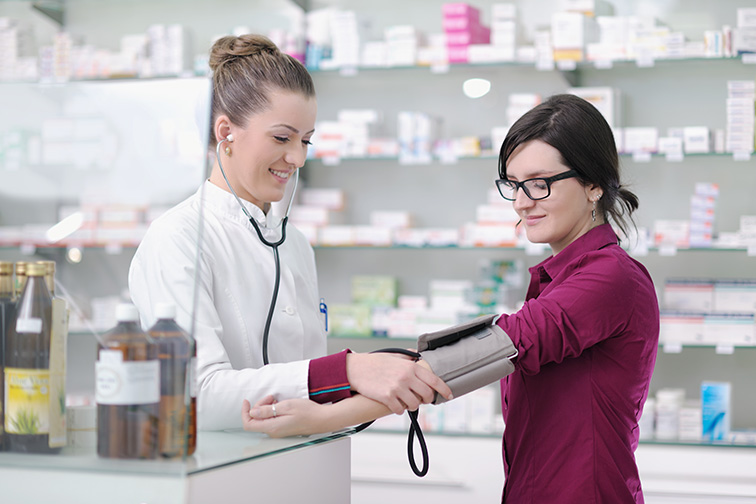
(533, 175)
(292, 128)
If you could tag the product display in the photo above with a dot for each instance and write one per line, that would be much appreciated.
(127, 390)
(401, 160)
(178, 384)
(33, 406)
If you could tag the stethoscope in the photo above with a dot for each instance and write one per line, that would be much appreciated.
(273, 245)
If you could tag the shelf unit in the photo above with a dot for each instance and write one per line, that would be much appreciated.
(444, 194)
(447, 194)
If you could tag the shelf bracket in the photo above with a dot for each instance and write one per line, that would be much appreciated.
(303, 4)
(572, 77)
(53, 9)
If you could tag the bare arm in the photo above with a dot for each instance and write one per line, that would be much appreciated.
(298, 417)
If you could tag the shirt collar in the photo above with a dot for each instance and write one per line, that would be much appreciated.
(226, 203)
(595, 239)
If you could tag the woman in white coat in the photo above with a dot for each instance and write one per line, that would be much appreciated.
(263, 116)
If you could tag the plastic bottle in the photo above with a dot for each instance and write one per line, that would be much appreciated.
(178, 397)
(27, 369)
(127, 390)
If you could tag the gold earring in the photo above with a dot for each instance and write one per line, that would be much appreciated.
(228, 151)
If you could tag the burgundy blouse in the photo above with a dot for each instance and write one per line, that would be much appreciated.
(587, 336)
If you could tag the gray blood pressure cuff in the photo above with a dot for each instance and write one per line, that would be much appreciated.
(468, 356)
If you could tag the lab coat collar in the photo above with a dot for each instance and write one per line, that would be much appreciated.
(225, 203)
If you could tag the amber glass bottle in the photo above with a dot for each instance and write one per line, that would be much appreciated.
(178, 398)
(27, 369)
(127, 390)
(7, 318)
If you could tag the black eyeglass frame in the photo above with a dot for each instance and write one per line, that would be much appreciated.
(521, 185)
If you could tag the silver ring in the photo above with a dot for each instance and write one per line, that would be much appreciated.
(274, 411)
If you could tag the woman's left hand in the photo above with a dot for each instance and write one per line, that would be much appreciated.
(292, 417)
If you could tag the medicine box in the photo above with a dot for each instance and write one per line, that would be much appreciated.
(696, 295)
(715, 410)
(350, 320)
(735, 296)
(374, 290)
(682, 328)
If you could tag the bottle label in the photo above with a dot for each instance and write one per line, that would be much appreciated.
(27, 401)
(120, 382)
(30, 325)
(58, 345)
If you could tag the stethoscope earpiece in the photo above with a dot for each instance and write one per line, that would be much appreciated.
(229, 138)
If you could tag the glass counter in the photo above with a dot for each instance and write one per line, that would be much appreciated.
(78, 473)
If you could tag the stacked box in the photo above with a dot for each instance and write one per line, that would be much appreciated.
(702, 211)
(416, 134)
(740, 116)
(374, 290)
(402, 45)
(571, 32)
(462, 26)
(605, 99)
(688, 294)
(744, 36)
(736, 295)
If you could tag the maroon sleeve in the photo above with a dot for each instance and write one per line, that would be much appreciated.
(327, 380)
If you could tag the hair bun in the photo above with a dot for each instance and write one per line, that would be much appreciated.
(229, 48)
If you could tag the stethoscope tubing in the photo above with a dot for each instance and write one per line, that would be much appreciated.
(273, 245)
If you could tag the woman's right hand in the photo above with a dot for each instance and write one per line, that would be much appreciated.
(292, 417)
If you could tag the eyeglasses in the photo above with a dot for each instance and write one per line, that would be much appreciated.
(534, 188)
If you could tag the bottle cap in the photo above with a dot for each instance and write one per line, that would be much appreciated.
(126, 312)
(165, 311)
(36, 269)
(6, 268)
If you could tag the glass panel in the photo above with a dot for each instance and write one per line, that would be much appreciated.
(86, 167)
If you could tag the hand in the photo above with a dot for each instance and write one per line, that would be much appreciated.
(394, 380)
(293, 417)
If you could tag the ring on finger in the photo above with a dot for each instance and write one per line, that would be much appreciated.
(274, 411)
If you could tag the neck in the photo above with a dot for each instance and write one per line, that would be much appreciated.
(216, 178)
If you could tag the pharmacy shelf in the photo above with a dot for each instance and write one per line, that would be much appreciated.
(563, 65)
(638, 157)
(663, 251)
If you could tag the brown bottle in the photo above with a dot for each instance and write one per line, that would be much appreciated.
(127, 390)
(178, 397)
(27, 369)
(7, 318)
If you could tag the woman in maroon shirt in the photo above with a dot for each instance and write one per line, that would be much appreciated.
(587, 334)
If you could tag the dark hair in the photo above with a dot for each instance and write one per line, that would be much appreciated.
(244, 70)
(576, 128)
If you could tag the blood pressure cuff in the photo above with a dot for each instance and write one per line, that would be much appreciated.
(468, 356)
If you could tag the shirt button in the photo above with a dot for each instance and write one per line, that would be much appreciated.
(289, 310)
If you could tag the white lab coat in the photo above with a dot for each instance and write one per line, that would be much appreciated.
(234, 289)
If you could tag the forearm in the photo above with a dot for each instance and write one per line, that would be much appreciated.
(355, 410)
